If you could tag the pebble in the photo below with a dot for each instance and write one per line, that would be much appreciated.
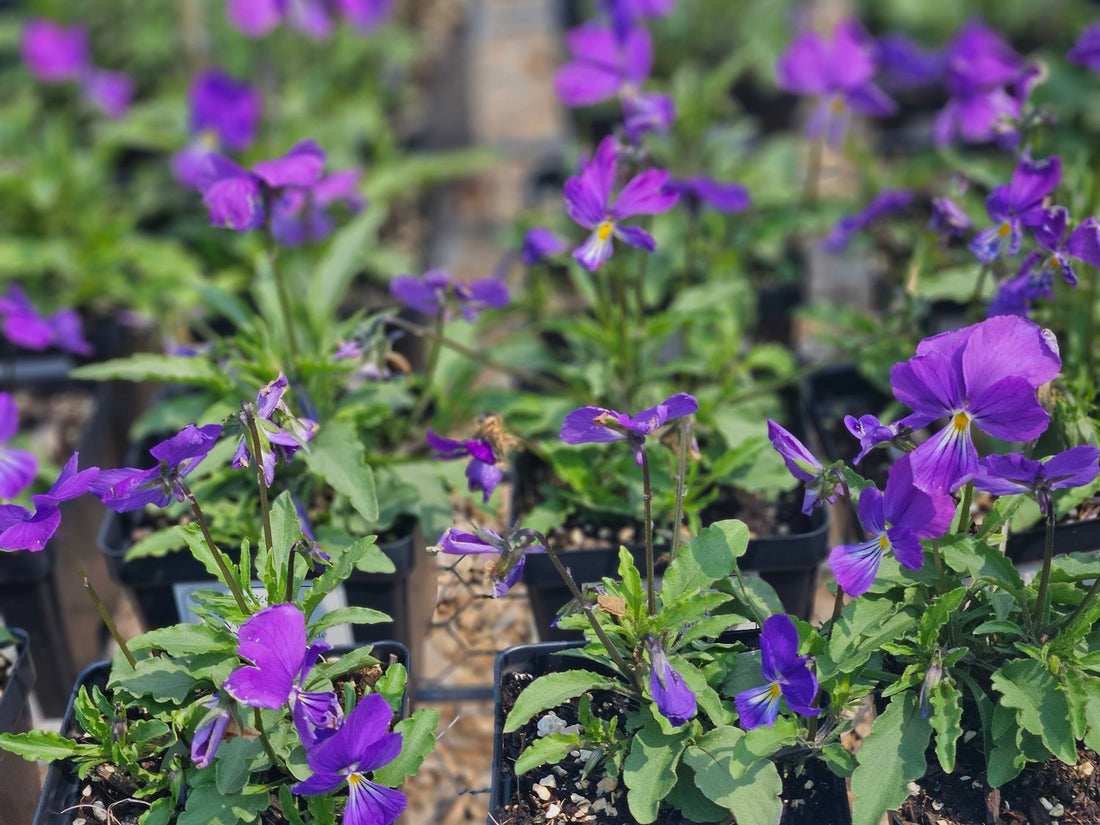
(553, 811)
(607, 784)
(80, 821)
(970, 734)
(1057, 810)
(542, 792)
(600, 804)
(914, 787)
(585, 755)
(579, 801)
(809, 784)
(610, 810)
(100, 810)
(550, 723)
(937, 806)
(1046, 803)
(964, 778)
(549, 781)
(1086, 769)
(87, 791)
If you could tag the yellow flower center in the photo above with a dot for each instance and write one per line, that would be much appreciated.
(883, 542)
(354, 779)
(774, 691)
(208, 139)
(836, 105)
(1005, 230)
(960, 422)
(603, 231)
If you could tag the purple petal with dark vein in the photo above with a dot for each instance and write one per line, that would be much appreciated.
(757, 707)
(579, 427)
(946, 461)
(778, 646)
(645, 194)
(1074, 467)
(1010, 410)
(854, 565)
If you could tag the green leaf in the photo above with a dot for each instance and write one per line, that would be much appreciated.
(946, 700)
(938, 614)
(755, 796)
(650, 769)
(352, 660)
(633, 592)
(206, 805)
(289, 806)
(998, 626)
(1006, 757)
(1040, 703)
(184, 639)
(235, 762)
(417, 741)
(343, 259)
(348, 615)
(546, 750)
(146, 730)
(162, 678)
(157, 544)
(839, 759)
(712, 555)
(968, 555)
(551, 690)
(337, 456)
(889, 759)
(194, 539)
(170, 369)
(336, 573)
(159, 813)
(46, 746)
(1089, 690)
(285, 530)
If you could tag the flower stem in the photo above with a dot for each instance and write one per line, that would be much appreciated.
(259, 724)
(1089, 596)
(284, 303)
(838, 605)
(1044, 576)
(681, 473)
(938, 559)
(964, 516)
(229, 579)
(647, 503)
(105, 614)
(265, 509)
(435, 345)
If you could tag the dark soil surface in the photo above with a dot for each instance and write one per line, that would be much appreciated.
(1043, 794)
(560, 794)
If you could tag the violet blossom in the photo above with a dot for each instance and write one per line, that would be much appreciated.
(58, 54)
(675, 700)
(1082, 244)
(838, 71)
(1086, 51)
(362, 744)
(948, 219)
(873, 433)
(280, 432)
(906, 65)
(539, 244)
(588, 202)
(626, 13)
(26, 327)
(209, 733)
(1006, 475)
(698, 192)
(314, 18)
(823, 484)
(596, 425)
(438, 291)
(884, 203)
(301, 214)
(481, 471)
(786, 675)
(607, 63)
(23, 529)
(130, 488)
(18, 468)
(895, 520)
(224, 115)
(983, 376)
(512, 547)
(1016, 295)
(1015, 205)
(274, 640)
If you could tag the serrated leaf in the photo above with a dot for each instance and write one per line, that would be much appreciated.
(889, 759)
(46, 746)
(551, 690)
(162, 678)
(1006, 757)
(146, 730)
(1089, 691)
(417, 741)
(938, 614)
(546, 750)
(289, 806)
(348, 615)
(712, 555)
(946, 700)
(338, 572)
(1040, 703)
(650, 770)
(968, 555)
(337, 456)
(171, 369)
(183, 639)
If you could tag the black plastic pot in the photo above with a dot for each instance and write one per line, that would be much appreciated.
(1073, 537)
(19, 788)
(540, 659)
(61, 790)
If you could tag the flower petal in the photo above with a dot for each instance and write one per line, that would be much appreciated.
(854, 566)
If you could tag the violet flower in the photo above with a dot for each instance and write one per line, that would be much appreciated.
(699, 192)
(948, 219)
(1086, 51)
(314, 18)
(362, 744)
(438, 291)
(1015, 205)
(906, 65)
(839, 72)
(626, 13)
(588, 202)
(873, 433)
(301, 214)
(512, 547)
(224, 115)
(674, 699)
(896, 520)
(786, 675)
(481, 471)
(984, 376)
(608, 64)
(595, 425)
(130, 488)
(18, 468)
(210, 732)
(274, 640)
(1006, 475)
(280, 432)
(884, 203)
(978, 65)
(56, 54)
(24, 326)
(23, 529)
(1083, 243)
(822, 483)
(1016, 295)
(539, 244)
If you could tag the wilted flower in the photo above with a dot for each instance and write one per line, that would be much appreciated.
(513, 547)
(280, 432)
(1006, 475)
(481, 471)
(438, 291)
(1015, 205)
(595, 425)
(785, 673)
(822, 483)
(948, 219)
(884, 203)
(674, 699)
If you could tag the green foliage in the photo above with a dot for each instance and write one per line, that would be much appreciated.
(551, 690)
(889, 759)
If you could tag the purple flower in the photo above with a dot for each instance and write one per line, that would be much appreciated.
(437, 291)
(110, 91)
(210, 732)
(129, 488)
(1006, 475)
(948, 219)
(52, 52)
(18, 468)
(1016, 294)
(588, 202)
(365, 14)
(895, 520)
(595, 425)
(481, 472)
(697, 192)
(362, 744)
(513, 547)
(274, 640)
(1015, 205)
(1083, 243)
(608, 64)
(624, 14)
(24, 326)
(873, 433)
(884, 203)
(1086, 51)
(985, 376)
(539, 244)
(786, 676)
(22, 529)
(281, 433)
(978, 65)
(314, 18)
(822, 483)
(839, 72)
(301, 214)
(905, 64)
(675, 700)
(224, 115)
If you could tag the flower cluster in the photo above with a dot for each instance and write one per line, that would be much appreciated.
(60, 54)
(279, 432)
(438, 292)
